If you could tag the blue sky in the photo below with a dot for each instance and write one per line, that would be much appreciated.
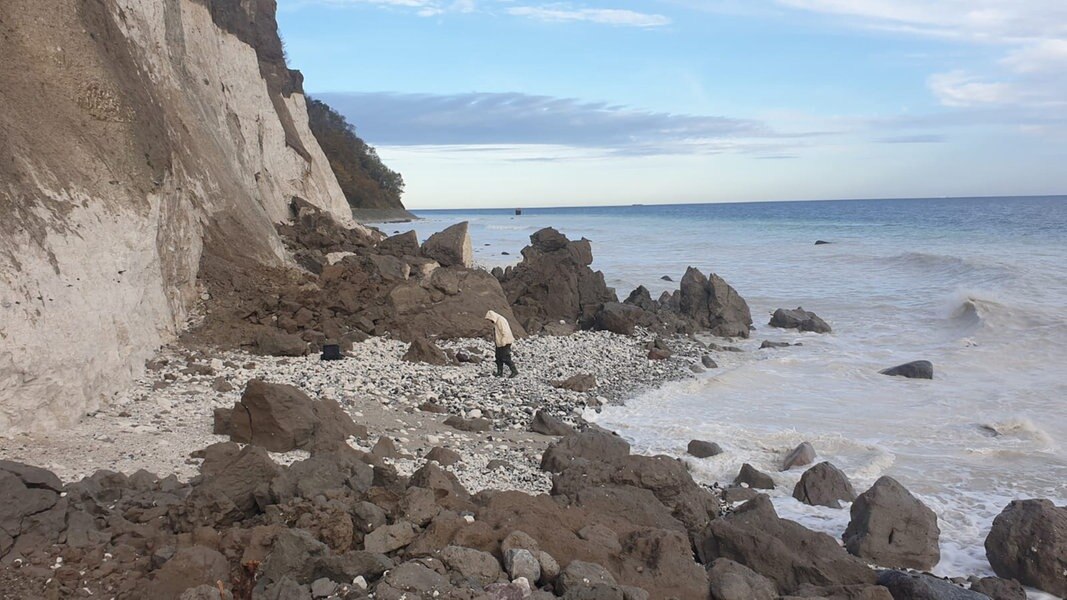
(531, 103)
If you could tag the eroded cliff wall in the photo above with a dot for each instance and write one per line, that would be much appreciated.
(136, 136)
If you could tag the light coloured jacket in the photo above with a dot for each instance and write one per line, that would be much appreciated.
(501, 328)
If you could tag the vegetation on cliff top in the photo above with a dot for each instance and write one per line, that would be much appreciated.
(365, 181)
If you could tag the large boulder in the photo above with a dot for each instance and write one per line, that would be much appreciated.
(798, 318)
(401, 244)
(729, 580)
(713, 305)
(231, 484)
(703, 449)
(450, 303)
(450, 247)
(546, 424)
(26, 491)
(591, 445)
(892, 528)
(618, 318)
(553, 282)
(1028, 542)
(804, 454)
(824, 485)
(274, 342)
(919, 369)
(281, 418)
(754, 478)
(786, 552)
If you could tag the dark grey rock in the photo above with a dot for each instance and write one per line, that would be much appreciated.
(754, 478)
(703, 449)
(919, 586)
(892, 528)
(802, 455)
(824, 485)
(1028, 542)
(919, 369)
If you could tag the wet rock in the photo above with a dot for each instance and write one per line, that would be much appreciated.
(590, 445)
(821, 242)
(824, 485)
(729, 580)
(919, 586)
(998, 589)
(273, 342)
(804, 454)
(803, 320)
(702, 449)
(919, 369)
(423, 350)
(892, 528)
(713, 305)
(1028, 542)
(545, 424)
(450, 247)
(581, 382)
(781, 550)
(769, 344)
(735, 494)
(754, 478)
(708, 362)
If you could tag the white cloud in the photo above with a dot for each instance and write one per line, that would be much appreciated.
(605, 16)
(1046, 56)
(961, 89)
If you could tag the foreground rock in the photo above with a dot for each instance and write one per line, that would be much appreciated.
(920, 369)
(702, 449)
(281, 418)
(892, 528)
(803, 320)
(824, 485)
(781, 550)
(919, 586)
(1028, 542)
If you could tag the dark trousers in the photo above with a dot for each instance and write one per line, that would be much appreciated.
(503, 357)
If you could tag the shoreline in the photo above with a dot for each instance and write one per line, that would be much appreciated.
(167, 413)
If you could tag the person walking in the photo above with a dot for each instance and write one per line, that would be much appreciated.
(503, 338)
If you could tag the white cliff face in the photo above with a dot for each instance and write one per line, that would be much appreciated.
(135, 135)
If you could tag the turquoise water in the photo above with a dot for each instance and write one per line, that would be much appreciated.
(977, 286)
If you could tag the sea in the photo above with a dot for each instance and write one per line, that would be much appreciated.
(978, 286)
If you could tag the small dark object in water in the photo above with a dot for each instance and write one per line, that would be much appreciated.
(505, 254)
(518, 212)
(331, 352)
(821, 242)
(666, 278)
(920, 369)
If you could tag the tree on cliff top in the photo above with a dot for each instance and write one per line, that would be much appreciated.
(365, 181)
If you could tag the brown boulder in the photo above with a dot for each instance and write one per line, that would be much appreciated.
(800, 319)
(281, 418)
(781, 550)
(401, 244)
(450, 247)
(450, 303)
(713, 305)
(824, 485)
(1028, 542)
(423, 350)
(592, 445)
(581, 382)
(274, 342)
(892, 528)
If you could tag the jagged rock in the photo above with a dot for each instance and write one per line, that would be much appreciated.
(189, 568)
(708, 362)
(618, 318)
(545, 424)
(729, 580)
(588, 445)
(754, 478)
(272, 342)
(401, 244)
(642, 299)
(781, 550)
(824, 485)
(231, 481)
(919, 369)
(802, 455)
(798, 318)
(998, 589)
(702, 449)
(423, 350)
(581, 382)
(450, 247)
(553, 282)
(919, 586)
(389, 537)
(322, 474)
(521, 562)
(1028, 542)
(443, 456)
(892, 528)
(736, 493)
(713, 305)
(281, 418)
(450, 303)
(385, 447)
(26, 491)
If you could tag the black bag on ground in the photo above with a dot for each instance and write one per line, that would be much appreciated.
(331, 352)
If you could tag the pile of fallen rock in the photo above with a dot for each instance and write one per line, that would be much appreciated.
(345, 524)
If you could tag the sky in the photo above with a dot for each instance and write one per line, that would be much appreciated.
(508, 103)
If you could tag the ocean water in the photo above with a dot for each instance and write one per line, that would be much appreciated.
(977, 286)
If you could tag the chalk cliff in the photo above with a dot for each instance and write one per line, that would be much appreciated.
(136, 138)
